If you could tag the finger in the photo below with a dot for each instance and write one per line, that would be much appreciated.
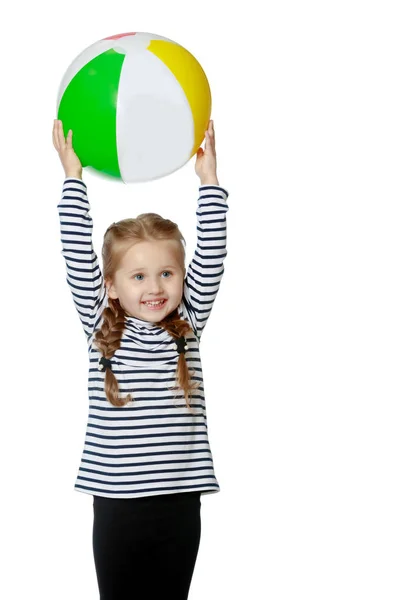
(54, 134)
(69, 139)
(63, 137)
(210, 145)
(212, 141)
(212, 135)
(60, 136)
(58, 141)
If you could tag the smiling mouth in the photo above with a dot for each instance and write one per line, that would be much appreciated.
(155, 304)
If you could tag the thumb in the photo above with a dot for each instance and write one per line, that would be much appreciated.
(200, 152)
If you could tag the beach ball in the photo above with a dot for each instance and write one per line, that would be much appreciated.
(138, 105)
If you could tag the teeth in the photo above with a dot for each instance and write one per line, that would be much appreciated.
(154, 303)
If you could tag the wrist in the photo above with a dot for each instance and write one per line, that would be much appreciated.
(209, 180)
(73, 174)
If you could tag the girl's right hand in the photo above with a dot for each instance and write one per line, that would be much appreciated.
(69, 160)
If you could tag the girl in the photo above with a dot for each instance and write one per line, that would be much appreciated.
(146, 458)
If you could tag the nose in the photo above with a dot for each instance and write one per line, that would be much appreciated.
(155, 286)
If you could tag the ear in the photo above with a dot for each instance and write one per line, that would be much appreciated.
(111, 290)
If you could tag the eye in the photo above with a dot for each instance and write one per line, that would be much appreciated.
(138, 277)
(166, 274)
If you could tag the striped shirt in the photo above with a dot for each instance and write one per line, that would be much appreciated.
(154, 444)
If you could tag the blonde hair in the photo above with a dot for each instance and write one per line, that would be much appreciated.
(117, 239)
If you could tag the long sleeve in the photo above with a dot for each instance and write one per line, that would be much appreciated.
(84, 276)
(205, 271)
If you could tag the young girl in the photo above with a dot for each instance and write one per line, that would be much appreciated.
(146, 458)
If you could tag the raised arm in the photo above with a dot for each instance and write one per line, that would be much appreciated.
(205, 271)
(84, 276)
(83, 273)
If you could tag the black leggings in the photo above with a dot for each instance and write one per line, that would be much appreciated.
(146, 548)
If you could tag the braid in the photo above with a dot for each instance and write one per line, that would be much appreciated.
(108, 340)
(118, 238)
(177, 328)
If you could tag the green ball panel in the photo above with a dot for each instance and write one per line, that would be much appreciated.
(89, 107)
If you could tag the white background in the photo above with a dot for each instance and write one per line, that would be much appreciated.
(301, 352)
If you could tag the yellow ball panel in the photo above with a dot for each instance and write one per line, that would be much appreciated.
(193, 80)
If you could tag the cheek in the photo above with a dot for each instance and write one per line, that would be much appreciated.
(132, 290)
(180, 289)
(176, 288)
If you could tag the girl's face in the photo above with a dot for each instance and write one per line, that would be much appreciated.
(149, 280)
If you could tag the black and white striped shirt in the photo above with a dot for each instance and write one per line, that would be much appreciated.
(153, 445)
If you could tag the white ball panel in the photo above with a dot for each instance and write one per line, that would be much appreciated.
(155, 129)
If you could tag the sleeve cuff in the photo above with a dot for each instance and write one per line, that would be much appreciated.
(67, 179)
(214, 187)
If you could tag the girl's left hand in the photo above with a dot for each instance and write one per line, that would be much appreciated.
(206, 160)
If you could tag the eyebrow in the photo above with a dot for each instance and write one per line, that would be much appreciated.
(144, 269)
